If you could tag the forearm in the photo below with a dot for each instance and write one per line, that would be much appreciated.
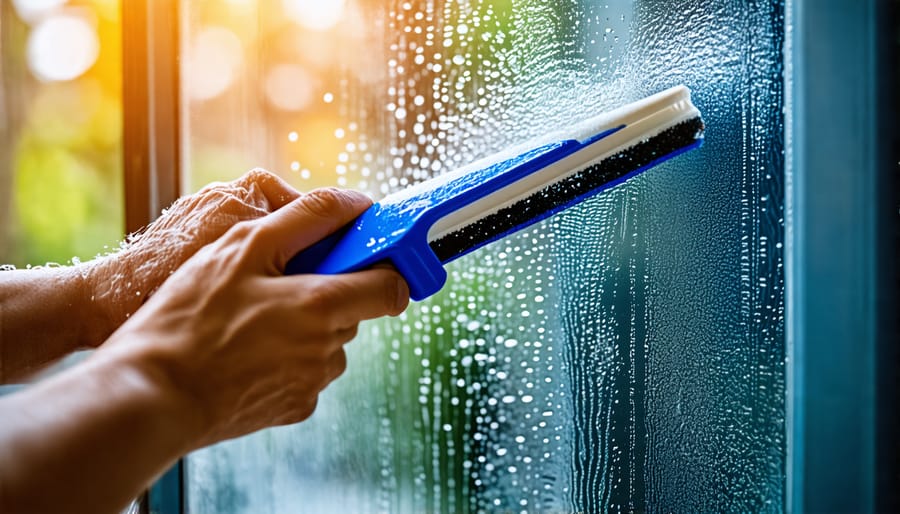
(44, 314)
(91, 438)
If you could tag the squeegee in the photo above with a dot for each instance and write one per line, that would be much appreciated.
(423, 227)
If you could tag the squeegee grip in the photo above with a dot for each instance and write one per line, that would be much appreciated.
(310, 259)
(414, 259)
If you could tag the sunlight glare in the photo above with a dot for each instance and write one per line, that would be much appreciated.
(315, 14)
(289, 87)
(62, 47)
(215, 58)
(32, 11)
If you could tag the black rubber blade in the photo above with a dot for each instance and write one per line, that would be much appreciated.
(565, 192)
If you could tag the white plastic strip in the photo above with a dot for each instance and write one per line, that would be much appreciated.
(642, 120)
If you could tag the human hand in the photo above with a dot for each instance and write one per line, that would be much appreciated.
(120, 283)
(240, 346)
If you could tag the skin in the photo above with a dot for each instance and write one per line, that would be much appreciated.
(224, 347)
(82, 305)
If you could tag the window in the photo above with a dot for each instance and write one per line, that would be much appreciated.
(626, 354)
(60, 130)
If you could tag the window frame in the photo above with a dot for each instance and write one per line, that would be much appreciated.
(838, 303)
(152, 110)
(151, 34)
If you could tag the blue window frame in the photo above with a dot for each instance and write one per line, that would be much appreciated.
(842, 262)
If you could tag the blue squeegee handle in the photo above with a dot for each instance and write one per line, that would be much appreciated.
(397, 231)
(309, 260)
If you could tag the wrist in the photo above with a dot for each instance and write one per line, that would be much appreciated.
(95, 317)
(108, 290)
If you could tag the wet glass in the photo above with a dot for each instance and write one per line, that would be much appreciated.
(60, 130)
(627, 354)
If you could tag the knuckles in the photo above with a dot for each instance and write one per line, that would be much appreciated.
(210, 187)
(332, 202)
(325, 202)
(226, 201)
(348, 334)
(303, 406)
(255, 175)
(340, 365)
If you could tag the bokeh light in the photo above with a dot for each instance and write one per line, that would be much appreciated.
(32, 11)
(62, 47)
(289, 87)
(315, 14)
(214, 60)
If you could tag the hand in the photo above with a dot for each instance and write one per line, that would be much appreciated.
(239, 345)
(120, 283)
(226, 346)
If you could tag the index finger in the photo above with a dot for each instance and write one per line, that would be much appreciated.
(344, 300)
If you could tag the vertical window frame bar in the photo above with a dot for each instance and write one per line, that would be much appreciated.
(833, 246)
(151, 35)
(888, 385)
(150, 94)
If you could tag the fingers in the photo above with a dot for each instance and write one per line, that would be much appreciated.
(333, 368)
(308, 219)
(336, 366)
(225, 208)
(371, 294)
(277, 192)
(304, 400)
(339, 302)
(345, 335)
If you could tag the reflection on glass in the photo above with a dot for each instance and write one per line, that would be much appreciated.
(60, 130)
(625, 355)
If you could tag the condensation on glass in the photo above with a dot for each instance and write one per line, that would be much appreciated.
(627, 354)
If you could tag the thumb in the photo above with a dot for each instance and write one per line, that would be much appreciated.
(308, 219)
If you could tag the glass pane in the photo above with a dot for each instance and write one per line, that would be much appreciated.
(60, 130)
(625, 354)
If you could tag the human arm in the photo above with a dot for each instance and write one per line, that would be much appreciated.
(225, 347)
(46, 313)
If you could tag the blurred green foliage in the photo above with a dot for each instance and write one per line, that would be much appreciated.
(68, 180)
(64, 151)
